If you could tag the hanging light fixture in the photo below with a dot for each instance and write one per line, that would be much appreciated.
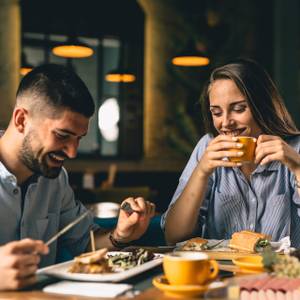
(25, 66)
(72, 48)
(121, 74)
(191, 57)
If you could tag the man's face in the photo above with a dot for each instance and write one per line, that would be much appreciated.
(48, 142)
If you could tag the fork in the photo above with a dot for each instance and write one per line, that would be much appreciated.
(215, 245)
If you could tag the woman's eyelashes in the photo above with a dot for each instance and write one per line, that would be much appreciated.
(216, 113)
(237, 109)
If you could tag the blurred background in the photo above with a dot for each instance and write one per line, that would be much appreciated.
(148, 117)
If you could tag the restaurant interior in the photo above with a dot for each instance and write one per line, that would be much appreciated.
(148, 117)
(146, 127)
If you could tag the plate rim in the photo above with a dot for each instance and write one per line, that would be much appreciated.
(237, 261)
(183, 288)
(54, 271)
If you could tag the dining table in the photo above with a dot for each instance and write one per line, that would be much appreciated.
(143, 288)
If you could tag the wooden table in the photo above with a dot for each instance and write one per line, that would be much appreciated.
(141, 282)
(149, 294)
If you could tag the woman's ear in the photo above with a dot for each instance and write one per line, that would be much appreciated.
(20, 116)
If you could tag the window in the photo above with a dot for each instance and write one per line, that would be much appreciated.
(118, 132)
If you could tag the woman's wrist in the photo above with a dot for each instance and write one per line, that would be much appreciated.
(202, 174)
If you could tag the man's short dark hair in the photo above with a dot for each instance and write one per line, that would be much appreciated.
(57, 87)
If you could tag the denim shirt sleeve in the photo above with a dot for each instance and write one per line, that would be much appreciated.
(185, 176)
(76, 239)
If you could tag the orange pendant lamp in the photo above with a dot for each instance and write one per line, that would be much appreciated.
(191, 56)
(72, 48)
(121, 74)
(25, 66)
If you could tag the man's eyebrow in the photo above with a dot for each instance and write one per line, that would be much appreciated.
(70, 132)
(231, 104)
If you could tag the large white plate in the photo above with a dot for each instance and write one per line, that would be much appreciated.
(61, 271)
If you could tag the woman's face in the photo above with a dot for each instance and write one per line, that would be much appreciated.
(230, 111)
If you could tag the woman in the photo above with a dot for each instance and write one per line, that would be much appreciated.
(217, 197)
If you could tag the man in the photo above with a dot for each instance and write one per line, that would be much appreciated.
(18, 263)
(50, 117)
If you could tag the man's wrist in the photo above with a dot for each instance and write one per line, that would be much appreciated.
(117, 240)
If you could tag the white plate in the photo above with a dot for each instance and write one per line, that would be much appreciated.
(61, 271)
(281, 246)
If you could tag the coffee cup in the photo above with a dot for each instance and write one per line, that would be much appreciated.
(249, 145)
(189, 268)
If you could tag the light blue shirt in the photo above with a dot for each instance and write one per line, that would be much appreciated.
(49, 205)
(268, 203)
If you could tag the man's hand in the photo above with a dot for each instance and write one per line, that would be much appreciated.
(18, 263)
(132, 225)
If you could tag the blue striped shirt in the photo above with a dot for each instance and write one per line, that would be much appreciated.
(267, 203)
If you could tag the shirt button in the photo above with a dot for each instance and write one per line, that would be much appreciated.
(15, 191)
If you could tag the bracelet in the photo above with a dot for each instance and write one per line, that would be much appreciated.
(116, 243)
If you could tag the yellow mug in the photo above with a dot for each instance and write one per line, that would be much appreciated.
(189, 268)
(249, 146)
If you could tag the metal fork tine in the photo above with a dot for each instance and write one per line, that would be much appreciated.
(215, 245)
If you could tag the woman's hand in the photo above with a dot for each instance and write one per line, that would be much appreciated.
(218, 149)
(133, 225)
(272, 148)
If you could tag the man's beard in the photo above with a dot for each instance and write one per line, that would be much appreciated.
(28, 158)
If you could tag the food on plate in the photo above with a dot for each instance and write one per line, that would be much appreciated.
(129, 260)
(282, 282)
(279, 265)
(91, 263)
(269, 287)
(196, 244)
(249, 241)
(100, 261)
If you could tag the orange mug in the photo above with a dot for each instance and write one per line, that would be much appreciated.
(249, 146)
(189, 268)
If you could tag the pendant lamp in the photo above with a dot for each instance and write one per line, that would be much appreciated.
(25, 66)
(191, 57)
(121, 74)
(72, 48)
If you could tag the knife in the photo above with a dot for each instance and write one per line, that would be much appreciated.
(66, 228)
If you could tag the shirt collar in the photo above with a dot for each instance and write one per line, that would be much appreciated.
(7, 176)
(272, 166)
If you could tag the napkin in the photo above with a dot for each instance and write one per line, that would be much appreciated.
(89, 289)
(283, 245)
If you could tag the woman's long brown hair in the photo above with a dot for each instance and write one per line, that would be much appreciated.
(265, 102)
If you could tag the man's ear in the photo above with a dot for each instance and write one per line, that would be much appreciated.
(20, 117)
